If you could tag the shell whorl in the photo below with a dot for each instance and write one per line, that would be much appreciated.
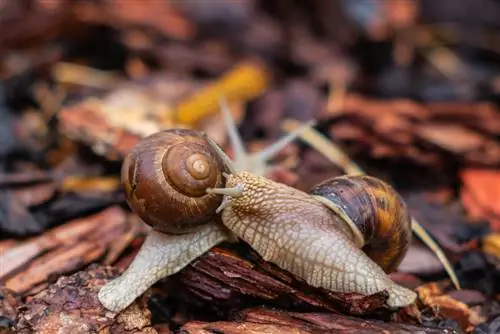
(165, 178)
(375, 213)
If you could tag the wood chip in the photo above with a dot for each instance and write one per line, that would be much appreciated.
(62, 250)
(453, 138)
(480, 195)
(261, 320)
(70, 305)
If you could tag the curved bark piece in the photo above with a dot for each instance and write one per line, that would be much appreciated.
(262, 320)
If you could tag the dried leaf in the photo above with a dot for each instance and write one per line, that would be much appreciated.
(445, 307)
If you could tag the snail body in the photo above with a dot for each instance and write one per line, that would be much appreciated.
(344, 236)
(165, 178)
(302, 235)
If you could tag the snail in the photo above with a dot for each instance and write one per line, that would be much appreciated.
(165, 178)
(345, 235)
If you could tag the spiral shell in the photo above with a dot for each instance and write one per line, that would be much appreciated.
(165, 177)
(375, 213)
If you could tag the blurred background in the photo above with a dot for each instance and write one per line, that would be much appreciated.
(409, 90)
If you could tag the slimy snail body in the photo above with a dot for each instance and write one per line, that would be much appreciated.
(344, 236)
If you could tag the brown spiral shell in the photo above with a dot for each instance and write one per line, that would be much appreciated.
(165, 177)
(378, 212)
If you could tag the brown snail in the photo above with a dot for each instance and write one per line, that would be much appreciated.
(331, 237)
(165, 178)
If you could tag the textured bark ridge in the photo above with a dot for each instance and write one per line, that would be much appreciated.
(71, 306)
(271, 321)
(224, 279)
(238, 290)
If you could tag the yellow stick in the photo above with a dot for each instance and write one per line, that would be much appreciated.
(244, 82)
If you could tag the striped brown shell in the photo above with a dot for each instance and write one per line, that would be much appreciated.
(165, 177)
(375, 213)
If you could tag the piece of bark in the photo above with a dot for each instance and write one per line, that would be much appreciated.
(453, 138)
(31, 264)
(35, 195)
(162, 17)
(8, 310)
(480, 195)
(443, 222)
(114, 123)
(25, 178)
(420, 132)
(71, 306)
(261, 320)
(90, 127)
(481, 116)
(31, 22)
(223, 280)
(420, 260)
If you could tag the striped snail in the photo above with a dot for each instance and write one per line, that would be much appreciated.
(344, 236)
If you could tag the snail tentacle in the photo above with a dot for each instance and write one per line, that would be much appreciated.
(160, 256)
(233, 134)
(224, 157)
(235, 191)
(228, 193)
(286, 139)
(256, 162)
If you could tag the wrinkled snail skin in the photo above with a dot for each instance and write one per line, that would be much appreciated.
(345, 236)
(165, 178)
(300, 234)
(161, 255)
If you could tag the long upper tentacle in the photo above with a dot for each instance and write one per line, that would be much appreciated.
(256, 162)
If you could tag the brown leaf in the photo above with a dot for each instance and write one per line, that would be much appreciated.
(447, 307)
